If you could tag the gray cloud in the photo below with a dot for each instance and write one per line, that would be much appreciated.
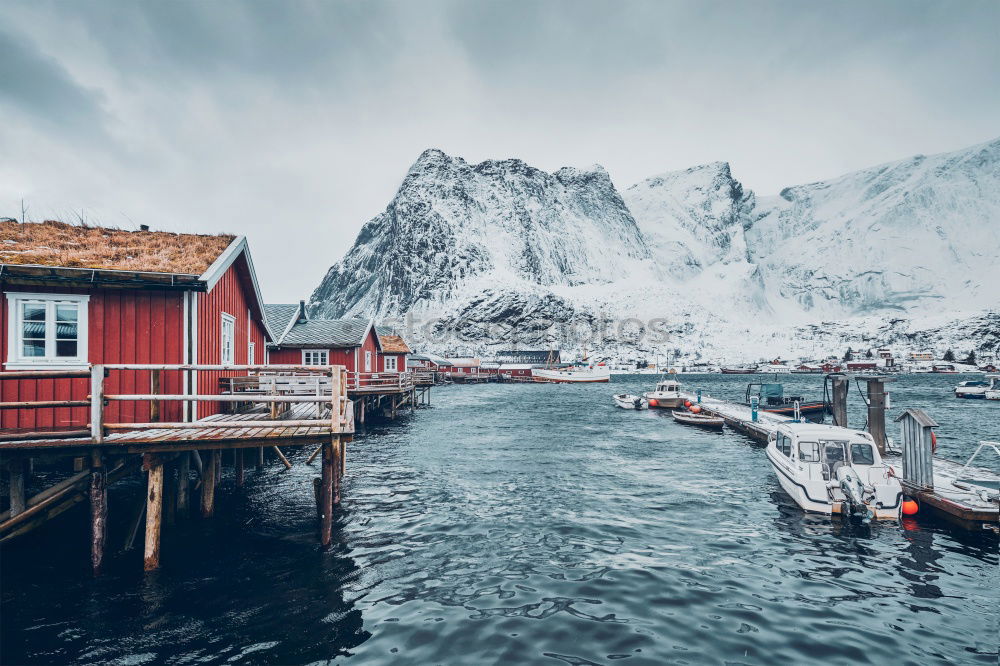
(294, 122)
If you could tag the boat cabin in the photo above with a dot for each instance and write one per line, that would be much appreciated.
(823, 449)
(668, 386)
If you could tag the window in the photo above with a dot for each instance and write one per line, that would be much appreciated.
(315, 357)
(785, 445)
(251, 353)
(368, 361)
(862, 454)
(46, 330)
(228, 338)
(390, 364)
(809, 451)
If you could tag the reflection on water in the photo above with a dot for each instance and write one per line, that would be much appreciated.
(525, 524)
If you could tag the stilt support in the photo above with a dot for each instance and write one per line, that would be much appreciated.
(327, 495)
(154, 513)
(208, 484)
(98, 511)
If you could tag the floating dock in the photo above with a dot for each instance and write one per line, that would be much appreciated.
(967, 507)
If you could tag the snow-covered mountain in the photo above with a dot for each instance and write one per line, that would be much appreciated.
(499, 253)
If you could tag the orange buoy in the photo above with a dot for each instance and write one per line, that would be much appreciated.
(910, 507)
(933, 442)
(687, 403)
(696, 409)
(653, 402)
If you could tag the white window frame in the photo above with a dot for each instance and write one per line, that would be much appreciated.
(231, 320)
(322, 355)
(368, 360)
(15, 361)
(251, 353)
(391, 367)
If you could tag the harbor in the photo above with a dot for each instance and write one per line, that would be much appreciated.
(480, 517)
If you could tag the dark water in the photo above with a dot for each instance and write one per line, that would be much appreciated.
(527, 524)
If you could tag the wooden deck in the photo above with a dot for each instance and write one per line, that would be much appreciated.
(203, 435)
(963, 506)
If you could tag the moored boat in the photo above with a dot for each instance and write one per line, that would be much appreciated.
(772, 399)
(627, 401)
(828, 469)
(703, 420)
(993, 392)
(572, 375)
(667, 395)
(746, 370)
(972, 389)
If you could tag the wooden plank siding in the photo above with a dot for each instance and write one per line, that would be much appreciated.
(232, 294)
(124, 326)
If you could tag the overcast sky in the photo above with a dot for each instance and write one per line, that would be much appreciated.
(294, 123)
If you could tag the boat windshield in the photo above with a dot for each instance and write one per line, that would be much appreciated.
(862, 454)
(809, 451)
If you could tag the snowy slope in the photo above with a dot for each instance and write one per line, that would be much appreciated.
(495, 254)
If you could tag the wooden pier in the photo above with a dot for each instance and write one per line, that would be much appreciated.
(962, 506)
(169, 452)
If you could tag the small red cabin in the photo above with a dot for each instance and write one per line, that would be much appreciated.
(303, 341)
(855, 366)
(392, 358)
(76, 296)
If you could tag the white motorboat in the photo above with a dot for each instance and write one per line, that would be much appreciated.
(572, 375)
(993, 392)
(666, 396)
(828, 469)
(972, 389)
(626, 401)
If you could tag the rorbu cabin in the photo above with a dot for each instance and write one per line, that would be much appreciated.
(394, 353)
(74, 296)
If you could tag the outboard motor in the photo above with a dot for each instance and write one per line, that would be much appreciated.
(853, 491)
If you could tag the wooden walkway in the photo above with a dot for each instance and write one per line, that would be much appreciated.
(203, 435)
(965, 506)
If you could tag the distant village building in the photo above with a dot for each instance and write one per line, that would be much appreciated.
(394, 353)
(75, 296)
(921, 356)
(535, 357)
(303, 341)
(465, 366)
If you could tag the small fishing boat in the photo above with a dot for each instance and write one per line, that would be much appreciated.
(666, 396)
(993, 392)
(703, 420)
(972, 389)
(828, 469)
(572, 375)
(772, 398)
(626, 401)
(742, 370)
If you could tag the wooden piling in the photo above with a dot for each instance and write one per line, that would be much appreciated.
(326, 495)
(260, 458)
(183, 484)
(208, 484)
(18, 503)
(281, 456)
(876, 413)
(98, 510)
(840, 388)
(238, 464)
(154, 512)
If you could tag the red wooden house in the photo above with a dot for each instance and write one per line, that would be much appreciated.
(394, 352)
(75, 296)
(300, 340)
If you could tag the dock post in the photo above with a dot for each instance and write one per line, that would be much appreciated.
(154, 512)
(208, 484)
(876, 411)
(326, 495)
(18, 503)
(238, 464)
(260, 458)
(754, 405)
(699, 396)
(98, 510)
(841, 384)
(183, 484)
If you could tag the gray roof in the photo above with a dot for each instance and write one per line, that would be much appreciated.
(327, 333)
(920, 416)
(279, 316)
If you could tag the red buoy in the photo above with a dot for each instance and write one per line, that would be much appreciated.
(696, 409)
(910, 507)
(933, 442)
(687, 403)
(653, 403)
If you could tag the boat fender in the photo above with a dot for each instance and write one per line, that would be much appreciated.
(910, 506)
(696, 409)
(653, 402)
(933, 442)
(687, 403)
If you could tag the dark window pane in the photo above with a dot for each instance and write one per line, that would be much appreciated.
(861, 454)
(34, 312)
(66, 348)
(33, 348)
(65, 331)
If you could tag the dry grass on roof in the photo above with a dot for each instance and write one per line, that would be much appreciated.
(59, 244)
(393, 344)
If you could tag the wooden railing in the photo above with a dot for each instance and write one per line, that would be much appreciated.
(373, 381)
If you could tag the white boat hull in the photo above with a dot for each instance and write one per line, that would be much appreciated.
(572, 376)
(630, 401)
